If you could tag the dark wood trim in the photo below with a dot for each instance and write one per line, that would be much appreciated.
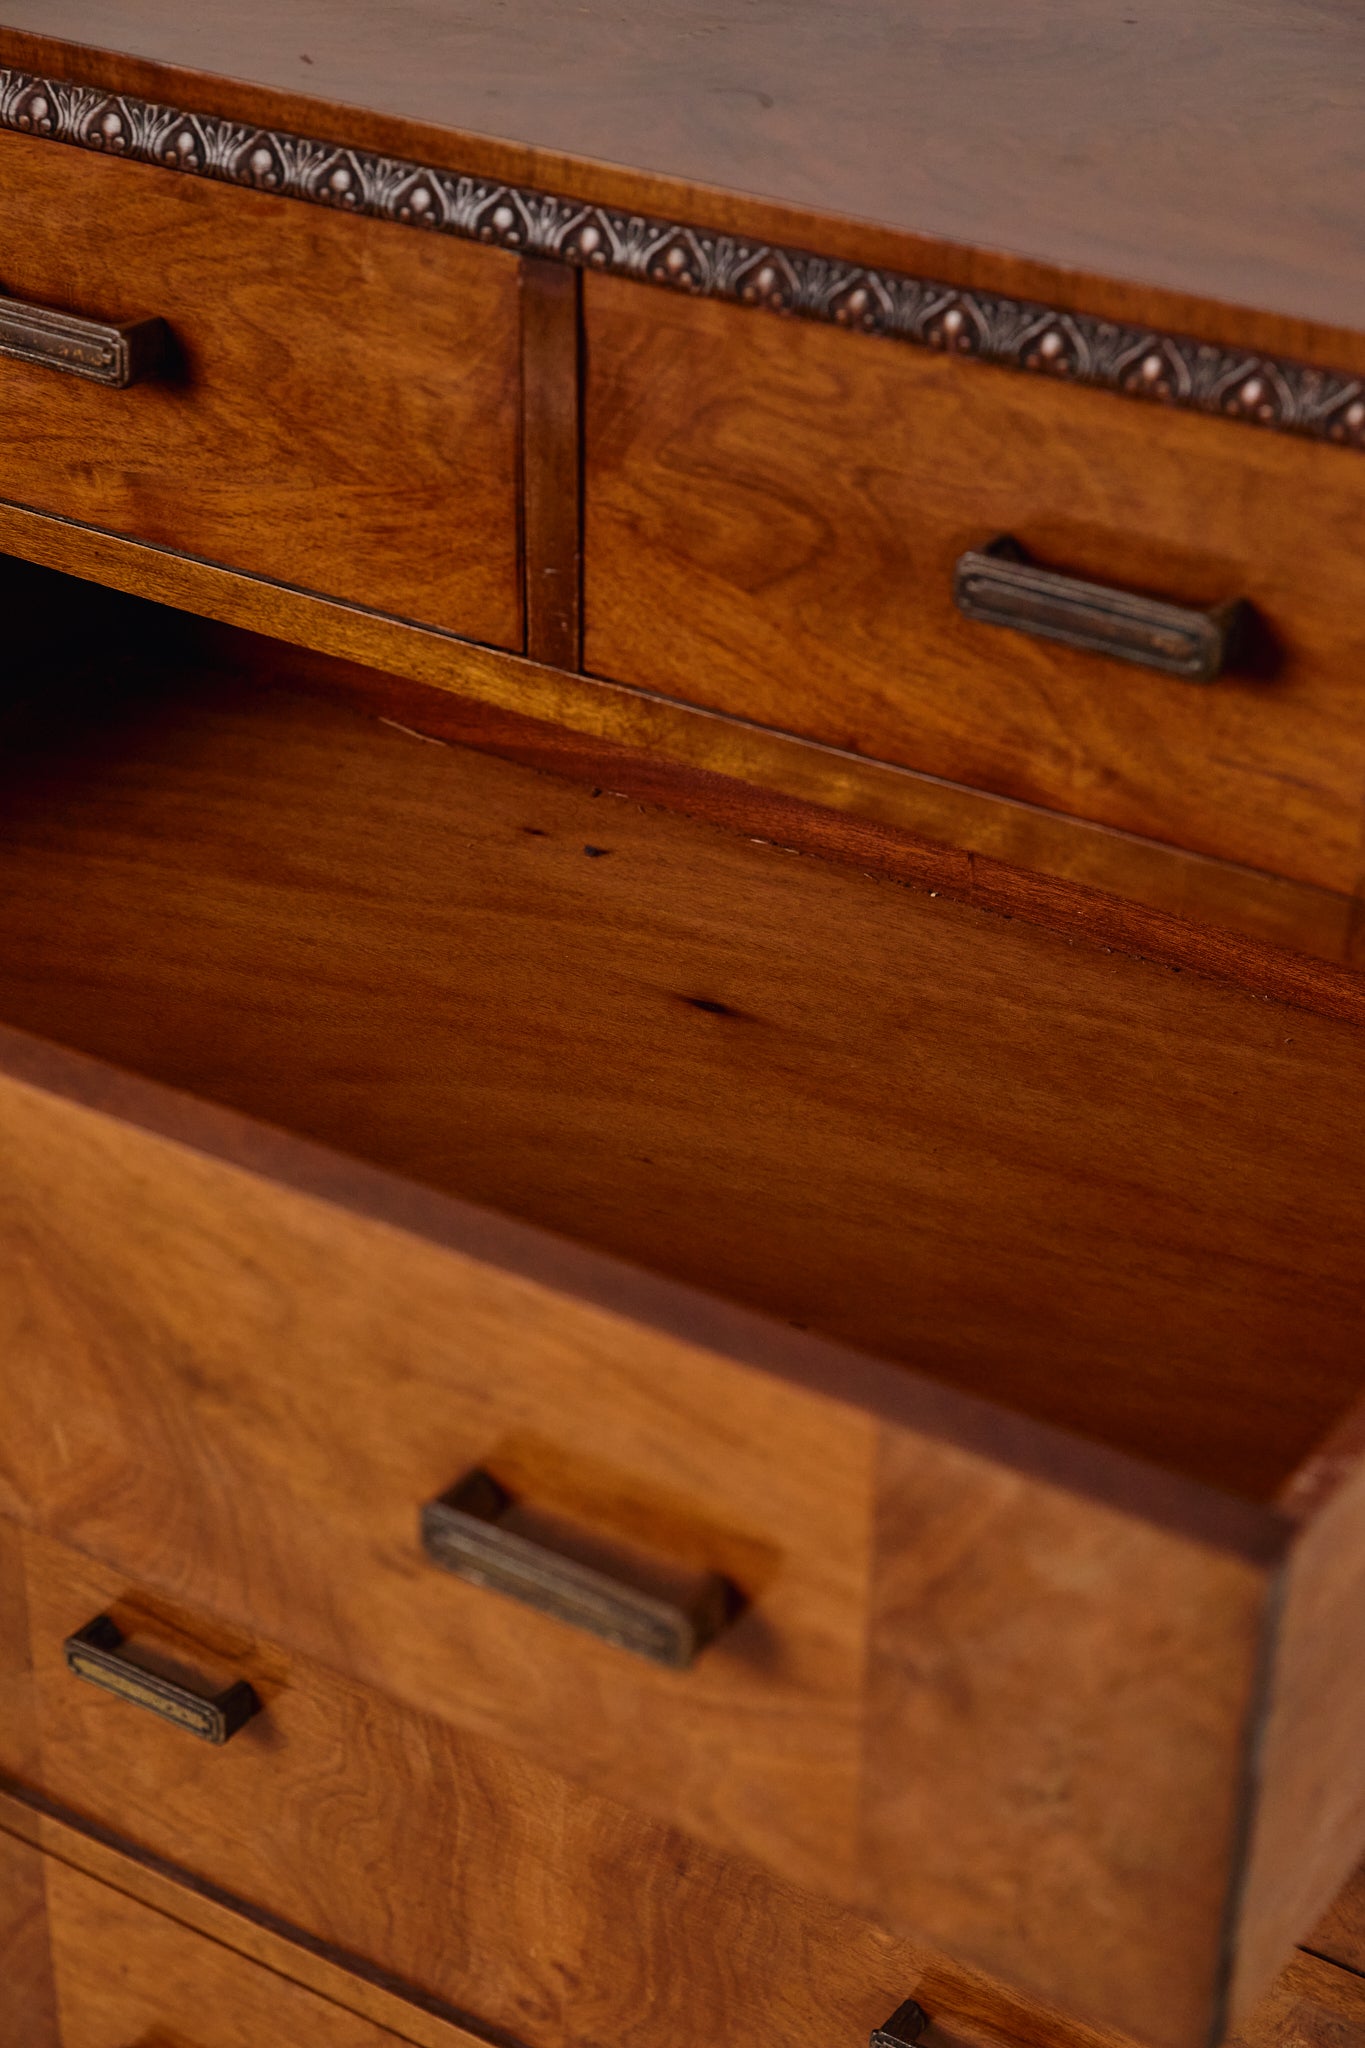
(1143, 362)
(552, 462)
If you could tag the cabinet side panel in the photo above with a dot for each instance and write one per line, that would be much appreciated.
(1310, 1826)
(1084, 1684)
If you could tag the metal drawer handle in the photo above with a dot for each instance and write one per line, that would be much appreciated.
(631, 1602)
(93, 1653)
(999, 586)
(904, 2027)
(94, 349)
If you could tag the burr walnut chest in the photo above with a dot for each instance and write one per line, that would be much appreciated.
(682, 1093)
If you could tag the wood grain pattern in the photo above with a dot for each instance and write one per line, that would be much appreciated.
(125, 1975)
(892, 1105)
(1311, 2005)
(1305, 1844)
(377, 1412)
(1071, 138)
(155, 1916)
(1339, 1936)
(214, 1333)
(792, 502)
(209, 1328)
(225, 1923)
(1229, 921)
(764, 1748)
(345, 420)
(18, 1715)
(842, 814)
(836, 1964)
(28, 2004)
(1088, 1665)
(551, 457)
(1326, 404)
(533, 1878)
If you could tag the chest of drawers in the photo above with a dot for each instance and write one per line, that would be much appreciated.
(680, 1059)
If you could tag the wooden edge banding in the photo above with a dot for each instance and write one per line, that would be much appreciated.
(1131, 360)
(552, 466)
(893, 1393)
(1310, 1796)
(1237, 1961)
(1289, 941)
(342, 1979)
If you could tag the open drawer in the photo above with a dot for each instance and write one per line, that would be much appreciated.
(955, 1329)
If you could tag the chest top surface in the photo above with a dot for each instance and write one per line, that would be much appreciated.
(1212, 151)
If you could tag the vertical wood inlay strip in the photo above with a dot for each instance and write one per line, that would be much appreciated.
(552, 462)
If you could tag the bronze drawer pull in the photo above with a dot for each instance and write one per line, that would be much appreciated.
(93, 1653)
(467, 1531)
(904, 2027)
(95, 349)
(999, 586)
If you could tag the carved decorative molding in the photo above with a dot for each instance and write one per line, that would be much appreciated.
(1138, 362)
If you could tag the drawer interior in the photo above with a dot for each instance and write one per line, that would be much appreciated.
(1114, 1196)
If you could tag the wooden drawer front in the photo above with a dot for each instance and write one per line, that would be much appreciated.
(86, 1965)
(275, 1470)
(119, 1975)
(454, 1866)
(257, 1390)
(774, 515)
(28, 2005)
(339, 410)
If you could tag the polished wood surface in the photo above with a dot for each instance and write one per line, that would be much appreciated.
(125, 1974)
(372, 1411)
(1339, 1936)
(16, 1694)
(981, 1302)
(852, 1090)
(850, 811)
(28, 1998)
(1090, 882)
(822, 1734)
(102, 1889)
(1073, 136)
(110, 1236)
(1311, 2005)
(1310, 1743)
(343, 419)
(52, 1837)
(774, 513)
(467, 1872)
(1003, 1616)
